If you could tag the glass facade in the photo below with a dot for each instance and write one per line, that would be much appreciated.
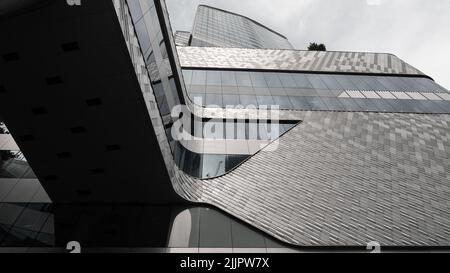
(233, 139)
(218, 28)
(325, 92)
(155, 51)
(163, 80)
(162, 229)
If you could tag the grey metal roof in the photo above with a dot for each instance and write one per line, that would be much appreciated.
(295, 60)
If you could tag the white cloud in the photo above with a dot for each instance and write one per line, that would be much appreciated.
(415, 30)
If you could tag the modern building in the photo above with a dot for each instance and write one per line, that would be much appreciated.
(215, 27)
(233, 136)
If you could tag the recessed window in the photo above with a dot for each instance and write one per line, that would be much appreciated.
(73, 46)
(11, 57)
(39, 111)
(114, 147)
(54, 80)
(94, 102)
(78, 130)
(63, 155)
(2, 89)
(27, 138)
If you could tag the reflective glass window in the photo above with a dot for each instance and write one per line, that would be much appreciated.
(233, 161)
(265, 100)
(243, 79)
(287, 80)
(213, 78)
(333, 104)
(302, 81)
(359, 83)
(345, 82)
(187, 76)
(213, 165)
(272, 80)
(199, 77)
(231, 100)
(283, 101)
(316, 82)
(316, 103)
(258, 79)
(247, 100)
(300, 103)
(228, 78)
(214, 100)
(331, 82)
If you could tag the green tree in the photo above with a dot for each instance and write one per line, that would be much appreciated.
(317, 47)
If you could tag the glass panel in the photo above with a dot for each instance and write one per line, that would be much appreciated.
(359, 83)
(144, 39)
(387, 83)
(300, 103)
(345, 82)
(272, 80)
(243, 79)
(316, 103)
(214, 100)
(333, 104)
(233, 161)
(287, 80)
(316, 82)
(350, 104)
(187, 75)
(213, 165)
(331, 82)
(258, 79)
(283, 102)
(302, 81)
(265, 100)
(199, 77)
(372, 83)
(232, 100)
(366, 104)
(213, 78)
(383, 105)
(247, 100)
(228, 78)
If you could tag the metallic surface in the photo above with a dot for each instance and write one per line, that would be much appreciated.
(294, 60)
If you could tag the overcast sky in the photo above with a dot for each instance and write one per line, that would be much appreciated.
(417, 31)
